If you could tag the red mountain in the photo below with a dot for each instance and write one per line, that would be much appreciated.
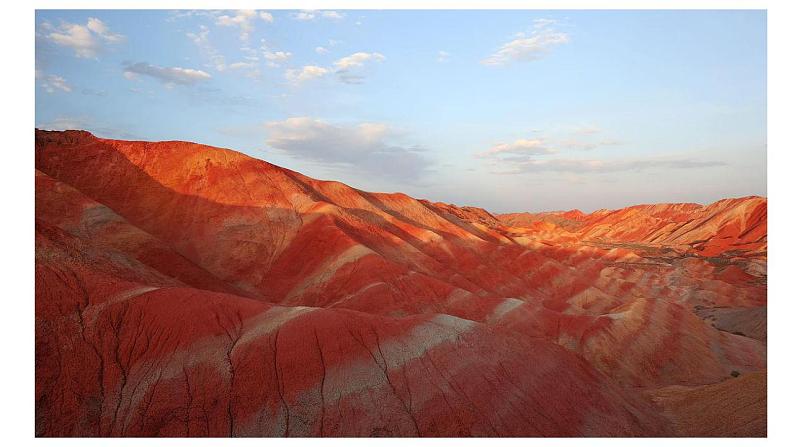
(186, 290)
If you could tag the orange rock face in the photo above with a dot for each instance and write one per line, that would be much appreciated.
(186, 290)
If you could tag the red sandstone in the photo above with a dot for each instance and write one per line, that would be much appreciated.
(186, 290)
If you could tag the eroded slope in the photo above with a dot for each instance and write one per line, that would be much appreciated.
(187, 290)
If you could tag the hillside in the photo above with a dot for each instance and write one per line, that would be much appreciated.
(187, 290)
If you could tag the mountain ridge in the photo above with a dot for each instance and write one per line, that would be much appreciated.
(74, 135)
(187, 290)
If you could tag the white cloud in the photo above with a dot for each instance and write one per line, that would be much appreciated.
(348, 68)
(168, 75)
(100, 29)
(189, 13)
(241, 65)
(266, 16)
(583, 138)
(525, 147)
(201, 39)
(51, 83)
(333, 15)
(543, 23)
(250, 53)
(535, 155)
(357, 60)
(303, 15)
(530, 47)
(276, 58)
(244, 20)
(561, 139)
(217, 60)
(578, 166)
(588, 129)
(443, 56)
(325, 49)
(586, 145)
(272, 57)
(250, 69)
(87, 40)
(308, 15)
(365, 147)
(308, 72)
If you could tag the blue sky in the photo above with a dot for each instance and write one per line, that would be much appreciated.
(508, 110)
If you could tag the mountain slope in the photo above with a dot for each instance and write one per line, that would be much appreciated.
(187, 290)
(725, 226)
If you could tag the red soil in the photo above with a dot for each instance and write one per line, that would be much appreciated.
(186, 290)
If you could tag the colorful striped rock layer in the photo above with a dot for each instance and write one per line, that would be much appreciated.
(186, 290)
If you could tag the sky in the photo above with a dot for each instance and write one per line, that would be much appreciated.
(512, 111)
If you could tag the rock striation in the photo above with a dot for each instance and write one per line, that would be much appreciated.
(187, 290)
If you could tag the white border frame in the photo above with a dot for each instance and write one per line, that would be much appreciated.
(17, 405)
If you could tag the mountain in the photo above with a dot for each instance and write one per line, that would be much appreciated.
(187, 290)
(729, 225)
